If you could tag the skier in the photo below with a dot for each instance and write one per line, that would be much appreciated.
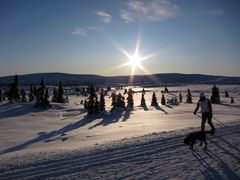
(206, 109)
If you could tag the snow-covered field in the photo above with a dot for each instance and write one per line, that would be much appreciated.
(63, 142)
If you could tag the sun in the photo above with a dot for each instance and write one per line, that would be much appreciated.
(135, 60)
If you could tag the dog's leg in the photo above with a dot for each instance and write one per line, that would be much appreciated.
(191, 144)
(205, 144)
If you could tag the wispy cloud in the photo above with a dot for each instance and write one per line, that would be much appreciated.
(83, 31)
(104, 16)
(151, 10)
(212, 12)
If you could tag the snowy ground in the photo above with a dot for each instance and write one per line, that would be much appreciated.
(144, 143)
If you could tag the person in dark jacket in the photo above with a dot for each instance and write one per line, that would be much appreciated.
(206, 109)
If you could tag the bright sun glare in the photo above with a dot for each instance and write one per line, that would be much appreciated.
(135, 60)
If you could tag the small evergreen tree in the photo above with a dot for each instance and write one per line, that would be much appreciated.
(4, 95)
(92, 104)
(143, 102)
(14, 93)
(114, 101)
(165, 90)
(143, 91)
(189, 96)
(85, 104)
(42, 96)
(163, 101)
(31, 94)
(102, 102)
(55, 95)
(215, 98)
(1, 95)
(226, 94)
(232, 100)
(180, 97)
(120, 103)
(154, 100)
(23, 95)
(130, 100)
(35, 91)
(60, 98)
(96, 105)
(125, 91)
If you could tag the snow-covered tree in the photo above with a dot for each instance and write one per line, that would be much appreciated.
(102, 102)
(215, 98)
(23, 95)
(114, 101)
(1, 95)
(166, 90)
(42, 96)
(31, 94)
(55, 95)
(14, 93)
(130, 100)
(92, 104)
(154, 100)
(163, 101)
(60, 98)
(143, 102)
(180, 97)
(189, 96)
(120, 103)
(226, 94)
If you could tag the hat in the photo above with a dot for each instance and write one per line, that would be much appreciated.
(202, 95)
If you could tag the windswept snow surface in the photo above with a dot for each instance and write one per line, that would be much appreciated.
(64, 143)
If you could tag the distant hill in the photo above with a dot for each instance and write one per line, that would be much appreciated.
(85, 79)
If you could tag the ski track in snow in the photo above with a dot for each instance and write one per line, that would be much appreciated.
(154, 156)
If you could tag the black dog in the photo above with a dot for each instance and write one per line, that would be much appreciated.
(191, 138)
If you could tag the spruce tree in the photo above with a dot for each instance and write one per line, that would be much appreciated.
(96, 105)
(92, 104)
(130, 100)
(1, 95)
(120, 103)
(23, 95)
(154, 100)
(180, 97)
(85, 104)
(215, 98)
(35, 91)
(102, 102)
(163, 101)
(165, 90)
(4, 95)
(143, 91)
(14, 93)
(55, 95)
(114, 101)
(189, 96)
(143, 102)
(232, 100)
(226, 94)
(60, 97)
(42, 96)
(31, 94)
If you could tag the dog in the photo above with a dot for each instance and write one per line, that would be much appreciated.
(192, 137)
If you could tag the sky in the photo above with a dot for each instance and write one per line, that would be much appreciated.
(99, 36)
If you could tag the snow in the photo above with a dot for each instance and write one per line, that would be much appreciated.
(64, 143)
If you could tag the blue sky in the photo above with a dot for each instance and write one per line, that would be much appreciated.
(84, 36)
